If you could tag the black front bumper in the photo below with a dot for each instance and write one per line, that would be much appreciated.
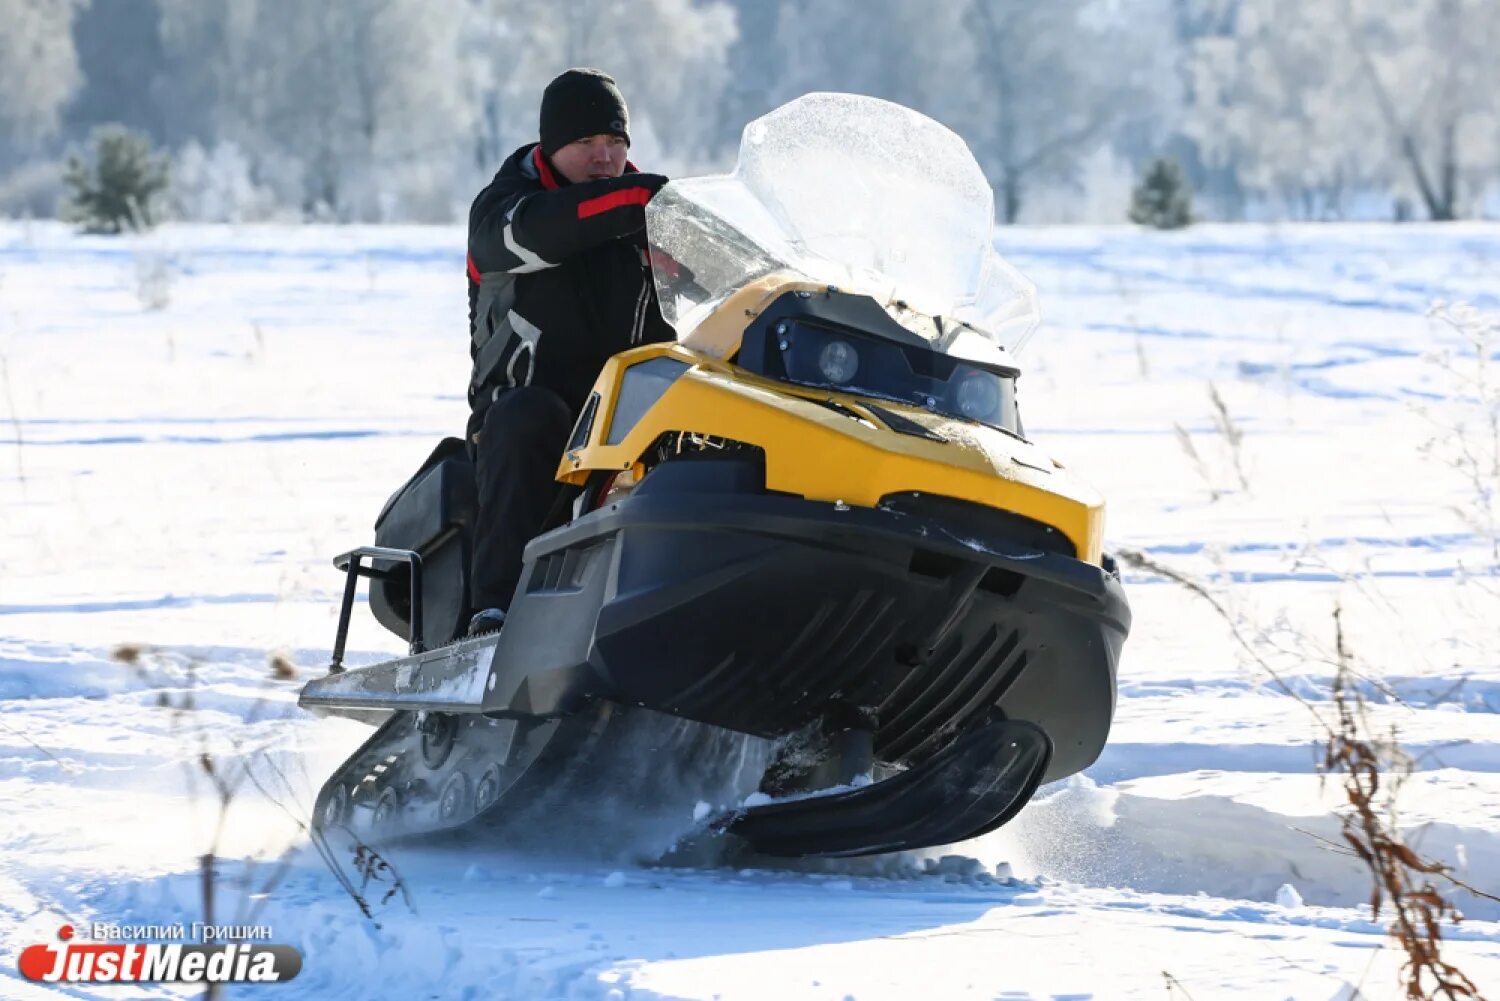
(763, 613)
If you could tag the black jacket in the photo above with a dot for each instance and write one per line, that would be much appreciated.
(559, 279)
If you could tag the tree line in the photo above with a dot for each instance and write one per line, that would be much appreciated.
(398, 110)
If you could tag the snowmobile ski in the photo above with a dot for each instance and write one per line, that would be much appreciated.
(971, 787)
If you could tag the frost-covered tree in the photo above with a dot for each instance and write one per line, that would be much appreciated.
(670, 58)
(220, 72)
(214, 184)
(1035, 88)
(360, 95)
(917, 55)
(120, 59)
(1056, 80)
(370, 100)
(38, 70)
(1432, 69)
(756, 65)
(380, 109)
(1253, 84)
(1309, 101)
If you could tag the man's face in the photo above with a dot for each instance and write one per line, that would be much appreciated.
(591, 158)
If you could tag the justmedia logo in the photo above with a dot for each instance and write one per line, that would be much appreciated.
(107, 960)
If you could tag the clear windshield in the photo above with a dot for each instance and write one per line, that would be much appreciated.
(854, 192)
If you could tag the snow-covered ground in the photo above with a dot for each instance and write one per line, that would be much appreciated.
(195, 421)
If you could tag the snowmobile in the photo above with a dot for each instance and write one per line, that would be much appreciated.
(814, 572)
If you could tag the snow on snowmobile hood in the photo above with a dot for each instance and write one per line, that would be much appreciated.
(855, 192)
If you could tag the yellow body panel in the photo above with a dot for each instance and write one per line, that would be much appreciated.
(827, 456)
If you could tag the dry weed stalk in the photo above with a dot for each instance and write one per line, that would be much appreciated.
(153, 281)
(1399, 876)
(1466, 434)
(1233, 437)
(375, 868)
(1174, 987)
(226, 780)
(1367, 766)
(1185, 442)
(1232, 433)
(1140, 561)
(368, 864)
(152, 667)
(69, 767)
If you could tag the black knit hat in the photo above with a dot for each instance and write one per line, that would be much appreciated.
(580, 103)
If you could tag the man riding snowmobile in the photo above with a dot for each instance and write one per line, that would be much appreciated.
(559, 282)
(816, 574)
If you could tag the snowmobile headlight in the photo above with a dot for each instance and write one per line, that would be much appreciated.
(826, 356)
(979, 396)
(838, 361)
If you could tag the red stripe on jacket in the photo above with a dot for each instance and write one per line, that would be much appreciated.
(544, 169)
(613, 200)
(473, 269)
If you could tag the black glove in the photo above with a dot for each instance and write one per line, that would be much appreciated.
(653, 182)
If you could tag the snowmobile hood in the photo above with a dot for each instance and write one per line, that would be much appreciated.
(834, 447)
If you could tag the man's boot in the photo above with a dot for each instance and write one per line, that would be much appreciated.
(488, 621)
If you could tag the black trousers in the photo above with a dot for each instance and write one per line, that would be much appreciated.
(521, 440)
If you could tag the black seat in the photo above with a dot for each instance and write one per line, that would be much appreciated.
(432, 514)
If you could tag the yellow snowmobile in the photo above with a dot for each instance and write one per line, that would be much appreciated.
(815, 573)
